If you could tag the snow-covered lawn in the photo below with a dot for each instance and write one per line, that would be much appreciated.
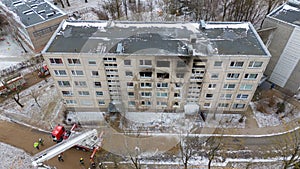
(14, 158)
(272, 118)
(31, 112)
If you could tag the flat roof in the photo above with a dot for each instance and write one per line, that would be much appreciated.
(158, 38)
(287, 12)
(32, 12)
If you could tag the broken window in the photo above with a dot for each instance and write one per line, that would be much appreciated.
(145, 74)
(163, 75)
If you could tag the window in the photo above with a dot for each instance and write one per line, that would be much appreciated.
(146, 103)
(255, 64)
(128, 74)
(74, 61)
(180, 75)
(111, 65)
(218, 63)
(83, 93)
(223, 105)
(109, 59)
(161, 63)
(77, 72)
(242, 96)
(162, 75)
(95, 73)
(71, 101)
(92, 62)
(129, 84)
(60, 72)
(212, 86)
(251, 76)
(146, 85)
(214, 76)
(130, 94)
(181, 63)
(56, 61)
(99, 93)
(233, 75)
(162, 94)
(145, 74)
(80, 83)
(161, 85)
(97, 84)
(163, 104)
(64, 83)
(236, 64)
(178, 85)
(229, 86)
(226, 96)
(238, 106)
(209, 96)
(146, 94)
(177, 95)
(131, 103)
(145, 63)
(101, 102)
(246, 87)
(127, 62)
(67, 93)
(112, 76)
(206, 105)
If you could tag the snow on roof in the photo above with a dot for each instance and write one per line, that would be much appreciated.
(226, 25)
(31, 12)
(148, 38)
(84, 24)
(287, 12)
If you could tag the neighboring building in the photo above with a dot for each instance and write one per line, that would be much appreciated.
(156, 66)
(281, 33)
(33, 21)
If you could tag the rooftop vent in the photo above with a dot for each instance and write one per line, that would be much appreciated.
(119, 48)
(28, 12)
(193, 38)
(202, 24)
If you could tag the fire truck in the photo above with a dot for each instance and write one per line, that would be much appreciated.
(43, 71)
(12, 83)
(66, 139)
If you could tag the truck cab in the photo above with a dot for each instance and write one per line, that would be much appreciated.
(58, 133)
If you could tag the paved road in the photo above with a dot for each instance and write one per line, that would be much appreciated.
(23, 137)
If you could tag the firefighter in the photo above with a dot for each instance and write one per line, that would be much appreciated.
(60, 158)
(36, 145)
(81, 161)
(41, 141)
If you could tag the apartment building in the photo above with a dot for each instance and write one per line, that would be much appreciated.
(156, 66)
(281, 34)
(32, 21)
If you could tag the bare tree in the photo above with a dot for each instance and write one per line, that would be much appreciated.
(62, 3)
(112, 7)
(15, 88)
(290, 151)
(189, 147)
(34, 94)
(214, 145)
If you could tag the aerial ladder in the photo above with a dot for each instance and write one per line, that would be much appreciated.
(88, 140)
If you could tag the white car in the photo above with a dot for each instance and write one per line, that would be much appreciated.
(297, 96)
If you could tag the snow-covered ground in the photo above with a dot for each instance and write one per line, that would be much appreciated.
(14, 158)
(273, 119)
(31, 112)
